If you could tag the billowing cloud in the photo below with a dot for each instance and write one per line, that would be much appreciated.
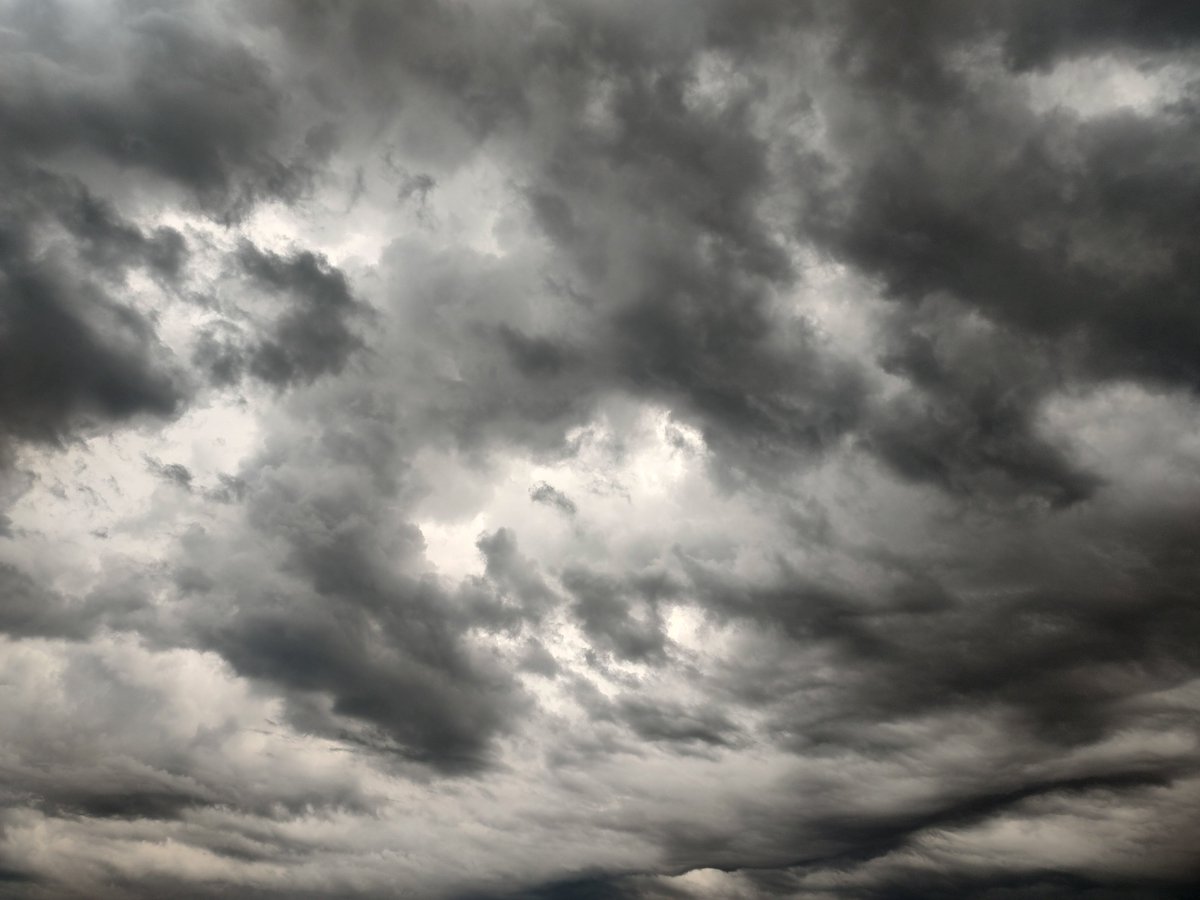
(688, 450)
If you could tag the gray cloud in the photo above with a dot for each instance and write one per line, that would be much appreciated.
(312, 337)
(75, 356)
(169, 94)
(388, 650)
(550, 496)
(616, 618)
(677, 451)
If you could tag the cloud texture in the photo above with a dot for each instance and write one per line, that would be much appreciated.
(599, 449)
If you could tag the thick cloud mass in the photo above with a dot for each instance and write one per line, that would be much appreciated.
(599, 449)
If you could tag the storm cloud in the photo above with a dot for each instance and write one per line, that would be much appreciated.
(599, 450)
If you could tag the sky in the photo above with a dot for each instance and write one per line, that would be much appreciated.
(599, 449)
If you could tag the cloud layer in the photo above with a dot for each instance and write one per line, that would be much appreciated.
(599, 450)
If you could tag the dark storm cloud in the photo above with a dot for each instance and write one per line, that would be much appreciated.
(659, 721)
(173, 96)
(967, 421)
(532, 356)
(222, 359)
(115, 801)
(107, 243)
(1013, 657)
(617, 617)
(361, 650)
(1081, 229)
(1062, 646)
(1070, 234)
(655, 212)
(309, 335)
(30, 609)
(72, 356)
(864, 854)
(312, 337)
(170, 94)
(420, 695)
(515, 577)
(464, 384)
(1008, 282)
(1038, 34)
(388, 653)
(669, 193)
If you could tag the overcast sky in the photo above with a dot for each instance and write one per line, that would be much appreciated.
(599, 449)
